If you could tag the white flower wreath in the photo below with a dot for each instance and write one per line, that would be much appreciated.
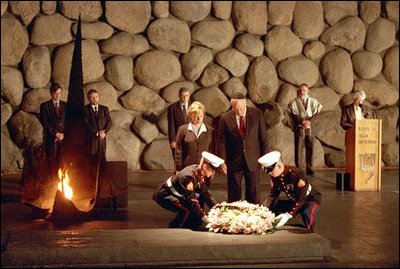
(240, 217)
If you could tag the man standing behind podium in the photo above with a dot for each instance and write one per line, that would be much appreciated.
(177, 116)
(355, 111)
(98, 123)
(241, 141)
(52, 117)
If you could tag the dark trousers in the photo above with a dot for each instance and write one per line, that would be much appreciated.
(303, 139)
(186, 217)
(308, 211)
(252, 180)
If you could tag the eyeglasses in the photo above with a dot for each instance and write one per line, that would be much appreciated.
(269, 169)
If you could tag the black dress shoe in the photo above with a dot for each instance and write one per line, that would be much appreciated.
(310, 172)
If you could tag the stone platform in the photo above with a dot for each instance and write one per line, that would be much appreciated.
(158, 248)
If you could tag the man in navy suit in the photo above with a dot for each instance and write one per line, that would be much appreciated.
(241, 141)
(177, 116)
(52, 117)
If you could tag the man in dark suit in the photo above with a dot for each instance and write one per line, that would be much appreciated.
(177, 116)
(98, 123)
(52, 117)
(355, 111)
(241, 141)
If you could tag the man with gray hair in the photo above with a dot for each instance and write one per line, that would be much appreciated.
(355, 111)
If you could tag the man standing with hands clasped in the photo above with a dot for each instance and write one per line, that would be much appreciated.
(303, 198)
(241, 141)
(303, 109)
(52, 117)
(177, 116)
(98, 123)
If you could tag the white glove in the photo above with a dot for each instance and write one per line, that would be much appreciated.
(205, 219)
(282, 219)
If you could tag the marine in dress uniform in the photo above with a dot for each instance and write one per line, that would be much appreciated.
(181, 192)
(303, 198)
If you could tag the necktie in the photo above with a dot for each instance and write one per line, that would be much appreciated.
(184, 112)
(242, 128)
(57, 108)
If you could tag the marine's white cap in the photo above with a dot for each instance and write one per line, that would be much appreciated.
(269, 160)
(212, 159)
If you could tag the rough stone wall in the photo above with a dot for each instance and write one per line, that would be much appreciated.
(138, 55)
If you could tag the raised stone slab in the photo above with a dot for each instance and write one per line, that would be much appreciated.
(158, 247)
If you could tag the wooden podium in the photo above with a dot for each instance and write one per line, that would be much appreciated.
(363, 155)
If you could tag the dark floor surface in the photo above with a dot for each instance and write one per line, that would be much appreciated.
(363, 227)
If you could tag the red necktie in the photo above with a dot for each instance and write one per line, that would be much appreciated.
(57, 108)
(242, 128)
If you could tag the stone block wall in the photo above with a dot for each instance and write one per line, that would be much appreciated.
(139, 54)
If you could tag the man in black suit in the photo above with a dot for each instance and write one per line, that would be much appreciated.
(52, 117)
(98, 123)
(177, 116)
(241, 141)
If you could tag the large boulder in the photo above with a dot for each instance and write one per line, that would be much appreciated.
(26, 130)
(335, 11)
(298, 70)
(14, 41)
(156, 69)
(217, 35)
(118, 141)
(308, 19)
(190, 11)
(12, 84)
(234, 61)
(391, 66)
(51, 29)
(194, 62)
(92, 64)
(169, 34)
(132, 17)
(37, 67)
(366, 64)
(11, 155)
(250, 16)
(281, 43)
(119, 72)
(349, 34)
(87, 10)
(25, 10)
(126, 44)
(142, 99)
(380, 35)
(261, 80)
(280, 13)
(337, 71)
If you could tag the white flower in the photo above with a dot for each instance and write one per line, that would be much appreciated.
(240, 217)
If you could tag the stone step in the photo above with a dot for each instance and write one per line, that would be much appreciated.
(159, 247)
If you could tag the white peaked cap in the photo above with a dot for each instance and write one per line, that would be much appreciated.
(270, 158)
(212, 159)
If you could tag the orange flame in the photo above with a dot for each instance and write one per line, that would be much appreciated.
(63, 185)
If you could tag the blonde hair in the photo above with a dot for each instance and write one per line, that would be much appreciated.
(196, 107)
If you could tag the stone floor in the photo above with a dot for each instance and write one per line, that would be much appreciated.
(362, 227)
